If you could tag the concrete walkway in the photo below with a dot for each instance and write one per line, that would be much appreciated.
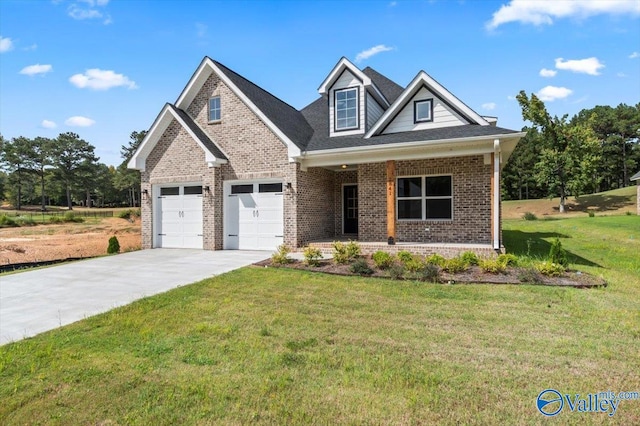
(35, 301)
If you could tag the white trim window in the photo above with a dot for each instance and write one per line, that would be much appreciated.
(425, 197)
(423, 111)
(214, 109)
(346, 109)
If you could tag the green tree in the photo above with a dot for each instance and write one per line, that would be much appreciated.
(16, 160)
(40, 160)
(127, 179)
(569, 153)
(518, 180)
(73, 159)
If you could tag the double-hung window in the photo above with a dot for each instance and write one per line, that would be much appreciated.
(425, 198)
(214, 108)
(346, 109)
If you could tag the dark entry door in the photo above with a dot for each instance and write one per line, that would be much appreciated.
(350, 209)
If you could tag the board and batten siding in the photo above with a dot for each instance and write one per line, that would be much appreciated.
(374, 111)
(347, 80)
(443, 115)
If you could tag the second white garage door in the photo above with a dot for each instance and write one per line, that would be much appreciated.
(253, 215)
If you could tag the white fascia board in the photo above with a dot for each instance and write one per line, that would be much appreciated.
(423, 79)
(158, 127)
(195, 83)
(343, 64)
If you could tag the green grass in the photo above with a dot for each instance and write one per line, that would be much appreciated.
(274, 346)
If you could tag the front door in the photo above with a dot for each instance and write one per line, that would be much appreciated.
(350, 209)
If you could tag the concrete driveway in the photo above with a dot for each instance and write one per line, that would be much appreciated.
(35, 301)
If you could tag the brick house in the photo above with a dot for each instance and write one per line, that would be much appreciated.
(230, 166)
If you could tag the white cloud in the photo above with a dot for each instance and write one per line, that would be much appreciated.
(489, 106)
(621, 75)
(539, 12)
(97, 79)
(366, 54)
(511, 98)
(5, 44)
(79, 121)
(88, 9)
(32, 47)
(585, 66)
(48, 124)
(551, 93)
(547, 73)
(36, 69)
(634, 55)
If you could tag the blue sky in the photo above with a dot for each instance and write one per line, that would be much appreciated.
(104, 68)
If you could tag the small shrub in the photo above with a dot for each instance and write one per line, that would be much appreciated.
(404, 256)
(312, 256)
(415, 264)
(628, 213)
(592, 214)
(550, 269)
(340, 255)
(382, 260)
(530, 276)
(25, 221)
(508, 259)
(529, 216)
(454, 265)
(72, 217)
(436, 259)
(361, 267)
(396, 271)
(469, 258)
(129, 214)
(7, 222)
(281, 256)
(353, 250)
(557, 254)
(114, 245)
(430, 273)
(492, 266)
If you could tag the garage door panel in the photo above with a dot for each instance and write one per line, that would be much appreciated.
(180, 218)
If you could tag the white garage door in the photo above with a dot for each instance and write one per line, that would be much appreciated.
(179, 216)
(253, 215)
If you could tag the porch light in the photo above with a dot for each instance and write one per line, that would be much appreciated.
(344, 166)
(145, 193)
(206, 189)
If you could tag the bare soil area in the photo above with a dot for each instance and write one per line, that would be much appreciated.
(61, 241)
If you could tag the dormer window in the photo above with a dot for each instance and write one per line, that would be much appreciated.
(346, 109)
(214, 109)
(423, 111)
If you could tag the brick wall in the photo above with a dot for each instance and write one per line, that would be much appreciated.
(372, 202)
(315, 205)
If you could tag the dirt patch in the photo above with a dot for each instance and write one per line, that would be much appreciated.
(62, 241)
(473, 275)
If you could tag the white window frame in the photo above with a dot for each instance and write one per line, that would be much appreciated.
(219, 109)
(423, 197)
(335, 109)
(415, 111)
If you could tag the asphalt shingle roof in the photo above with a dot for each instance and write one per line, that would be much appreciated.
(288, 119)
(200, 134)
(390, 89)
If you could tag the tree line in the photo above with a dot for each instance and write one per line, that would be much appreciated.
(65, 171)
(596, 150)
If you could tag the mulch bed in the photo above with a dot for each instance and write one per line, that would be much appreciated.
(473, 275)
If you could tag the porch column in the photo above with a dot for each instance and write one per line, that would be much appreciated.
(391, 202)
(495, 195)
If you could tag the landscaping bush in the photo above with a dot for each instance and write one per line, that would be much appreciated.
(454, 265)
(436, 259)
(344, 253)
(129, 214)
(7, 222)
(592, 214)
(508, 259)
(312, 256)
(24, 221)
(469, 258)
(415, 264)
(382, 260)
(396, 271)
(492, 266)
(557, 254)
(404, 256)
(361, 267)
(72, 217)
(550, 269)
(281, 256)
(114, 245)
(530, 276)
(429, 273)
(529, 216)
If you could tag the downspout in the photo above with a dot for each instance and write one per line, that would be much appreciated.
(496, 194)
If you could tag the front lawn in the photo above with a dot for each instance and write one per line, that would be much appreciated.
(275, 346)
